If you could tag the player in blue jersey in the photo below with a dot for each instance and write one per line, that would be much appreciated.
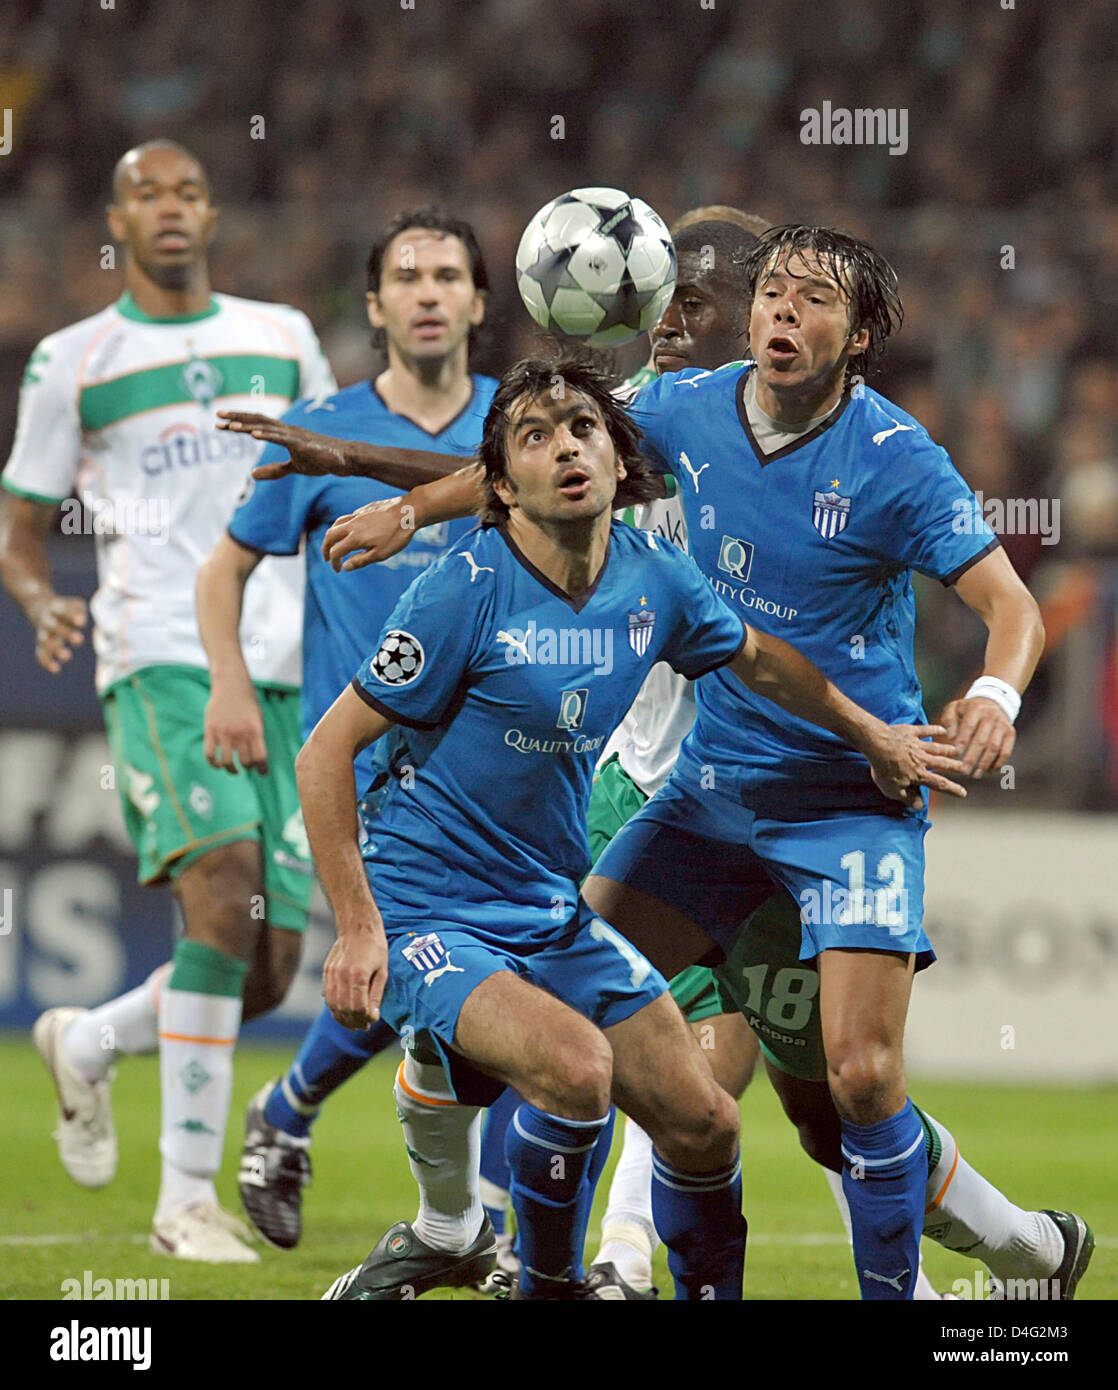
(809, 503)
(494, 685)
(427, 284)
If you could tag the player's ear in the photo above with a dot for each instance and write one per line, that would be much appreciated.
(373, 309)
(209, 225)
(114, 216)
(477, 309)
(858, 342)
(505, 491)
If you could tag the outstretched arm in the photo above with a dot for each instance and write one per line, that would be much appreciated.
(899, 761)
(318, 454)
(981, 723)
(383, 528)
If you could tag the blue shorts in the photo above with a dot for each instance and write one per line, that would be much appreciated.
(857, 879)
(433, 966)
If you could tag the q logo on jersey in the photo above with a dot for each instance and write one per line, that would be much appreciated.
(572, 709)
(736, 557)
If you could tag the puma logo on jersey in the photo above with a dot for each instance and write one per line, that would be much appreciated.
(883, 435)
(881, 1279)
(693, 471)
(475, 568)
(691, 380)
(445, 969)
(520, 643)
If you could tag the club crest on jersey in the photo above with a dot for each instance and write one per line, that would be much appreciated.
(830, 514)
(572, 709)
(201, 380)
(641, 624)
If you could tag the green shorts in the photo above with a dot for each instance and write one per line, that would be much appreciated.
(614, 799)
(778, 993)
(177, 807)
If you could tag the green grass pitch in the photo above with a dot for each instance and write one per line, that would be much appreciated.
(1044, 1146)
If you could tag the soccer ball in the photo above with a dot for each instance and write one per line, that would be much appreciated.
(596, 264)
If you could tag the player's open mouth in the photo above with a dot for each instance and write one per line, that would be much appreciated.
(173, 241)
(574, 484)
(781, 348)
(429, 327)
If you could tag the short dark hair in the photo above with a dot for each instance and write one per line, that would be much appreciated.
(430, 219)
(138, 151)
(866, 277)
(727, 244)
(581, 372)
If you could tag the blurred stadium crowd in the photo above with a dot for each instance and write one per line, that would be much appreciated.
(369, 107)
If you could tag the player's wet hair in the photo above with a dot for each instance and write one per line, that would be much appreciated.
(430, 219)
(581, 373)
(137, 151)
(867, 279)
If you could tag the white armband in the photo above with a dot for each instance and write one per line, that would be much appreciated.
(1001, 692)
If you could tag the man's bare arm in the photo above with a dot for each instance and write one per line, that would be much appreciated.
(356, 969)
(234, 724)
(383, 528)
(981, 728)
(25, 569)
(899, 761)
(316, 455)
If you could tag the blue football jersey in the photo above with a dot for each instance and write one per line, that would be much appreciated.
(504, 690)
(344, 612)
(815, 544)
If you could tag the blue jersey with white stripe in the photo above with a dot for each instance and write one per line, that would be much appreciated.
(344, 612)
(816, 544)
(503, 690)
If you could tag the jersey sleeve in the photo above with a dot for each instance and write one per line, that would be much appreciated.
(273, 517)
(648, 407)
(45, 457)
(426, 647)
(938, 527)
(315, 376)
(705, 632)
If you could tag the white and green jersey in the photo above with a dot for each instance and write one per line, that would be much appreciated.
(122, 409)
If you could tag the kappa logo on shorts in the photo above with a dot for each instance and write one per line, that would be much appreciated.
(428, 954)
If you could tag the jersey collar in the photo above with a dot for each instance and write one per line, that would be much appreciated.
(128, 307)
(578, 601)
(431, 434)
(809, 438)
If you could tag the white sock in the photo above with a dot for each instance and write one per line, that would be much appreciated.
(968, 1214)
(197, 1035)
(629, 1237)
(445, 1137)
(127, 1025)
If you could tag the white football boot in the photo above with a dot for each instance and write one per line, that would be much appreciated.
(202, 1231)
(85, 1134)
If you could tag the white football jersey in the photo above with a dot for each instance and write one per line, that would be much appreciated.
(122, 409)
(647, 740)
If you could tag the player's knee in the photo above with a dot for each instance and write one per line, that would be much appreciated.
(703, 1136)
(583, 1074)
(862, 1081)
(223, 898)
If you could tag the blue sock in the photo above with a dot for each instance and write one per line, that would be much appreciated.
(698, 1217)
(598, 1161)
(330, 1054)
(549, 1158)
(494, 1165)
(884, 1176)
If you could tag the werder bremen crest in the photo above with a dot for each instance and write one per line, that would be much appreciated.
(201, 380)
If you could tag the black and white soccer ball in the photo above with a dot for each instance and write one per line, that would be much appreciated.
(399, 659)
(597, 265)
